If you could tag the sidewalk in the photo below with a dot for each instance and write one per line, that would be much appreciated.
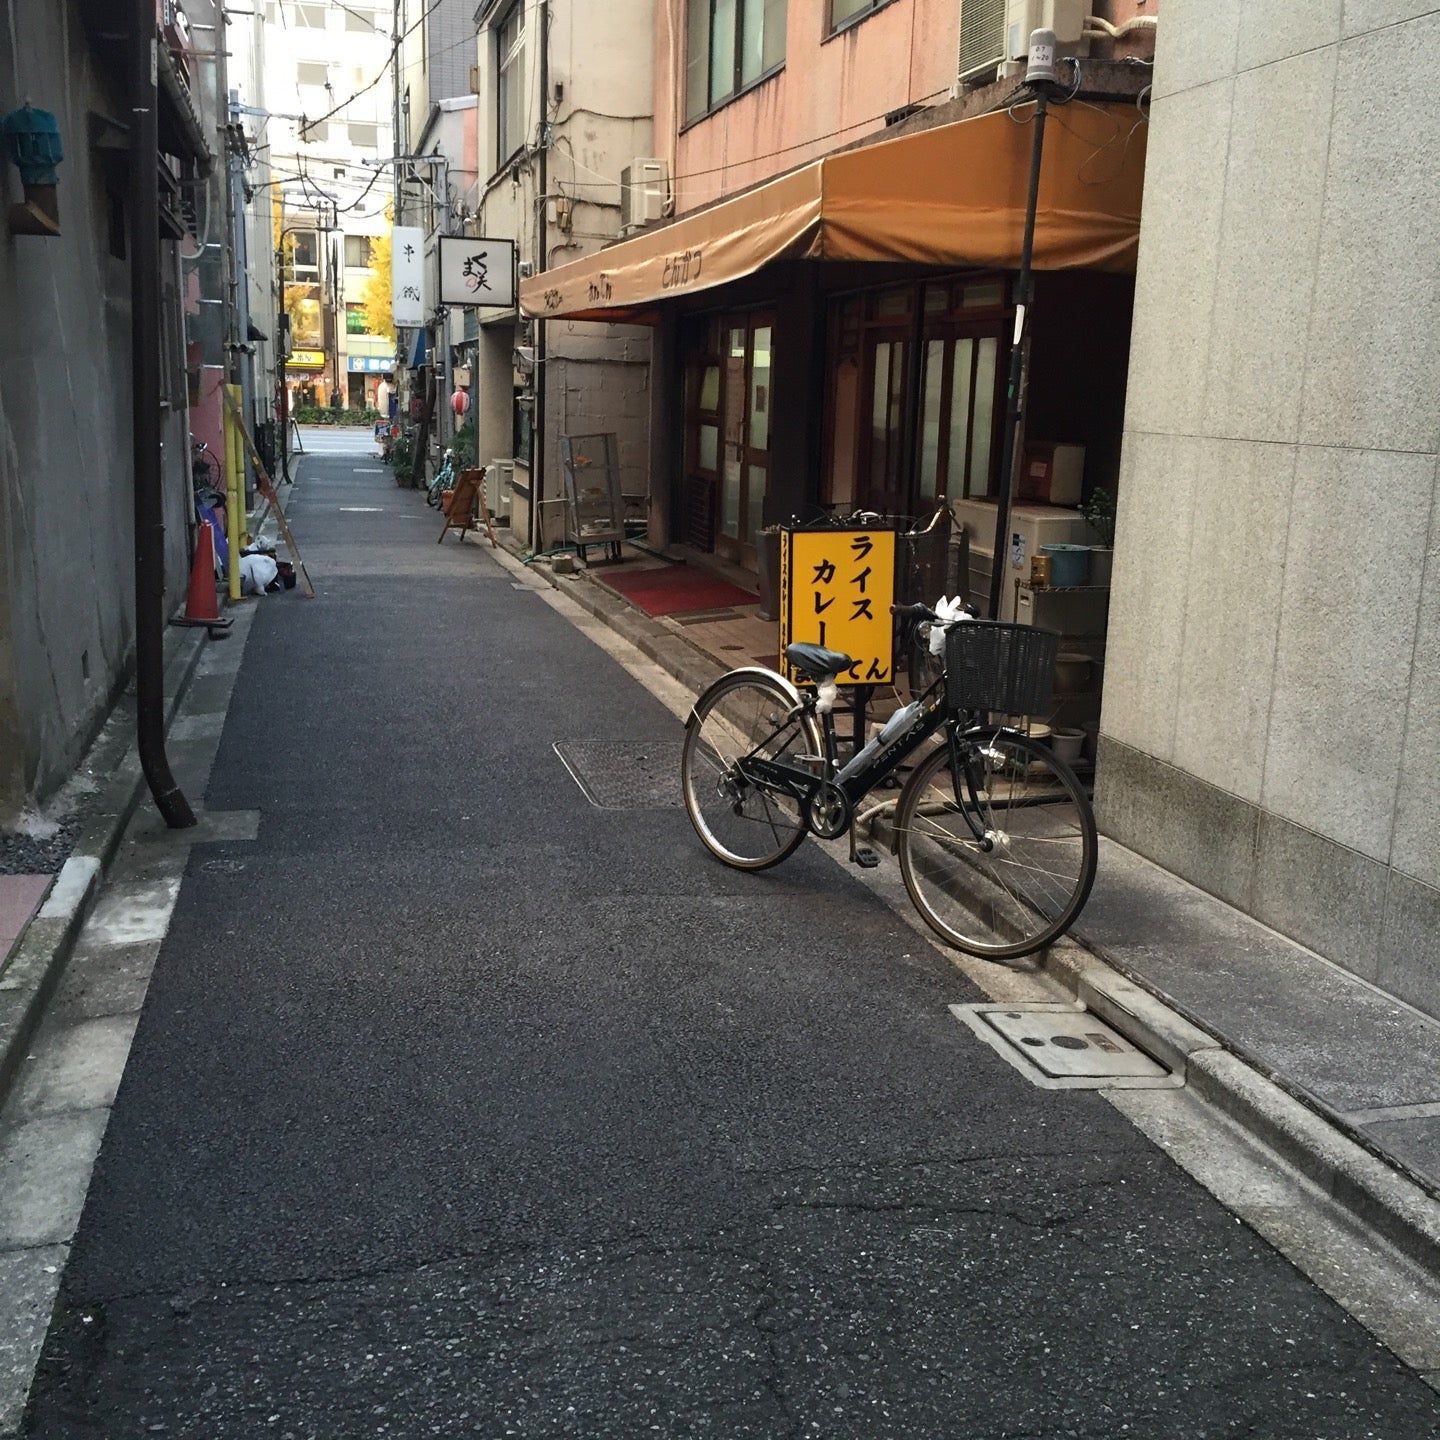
(1362, 1061)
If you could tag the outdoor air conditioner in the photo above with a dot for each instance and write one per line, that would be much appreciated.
(982, 36)
(995, 31)
(1065, 17)
(498, 475)
(644, 189)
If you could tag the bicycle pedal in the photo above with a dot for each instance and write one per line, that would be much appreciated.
(866, 858)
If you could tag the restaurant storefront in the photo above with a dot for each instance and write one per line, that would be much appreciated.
(837, 337)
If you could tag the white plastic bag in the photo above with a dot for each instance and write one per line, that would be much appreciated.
(256, 572)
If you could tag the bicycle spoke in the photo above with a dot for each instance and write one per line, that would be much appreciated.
(1024, 888)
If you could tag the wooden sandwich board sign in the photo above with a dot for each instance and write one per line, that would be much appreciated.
(467, 497)
(836, 588)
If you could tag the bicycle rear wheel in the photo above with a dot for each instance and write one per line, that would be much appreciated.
(745, 713)
(1018, 885)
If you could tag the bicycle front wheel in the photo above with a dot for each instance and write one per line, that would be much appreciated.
(999, 859)
(746, 714)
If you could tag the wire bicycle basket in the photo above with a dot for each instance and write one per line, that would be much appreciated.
(1009, 669)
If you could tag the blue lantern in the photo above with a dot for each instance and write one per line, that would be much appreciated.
(34, 137)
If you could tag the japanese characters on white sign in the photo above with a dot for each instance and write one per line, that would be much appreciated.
(477, 271)
(407, 275)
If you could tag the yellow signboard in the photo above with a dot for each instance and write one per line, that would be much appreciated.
(836, 587)
(306, 360)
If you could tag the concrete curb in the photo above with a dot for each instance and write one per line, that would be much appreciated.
(1379, 1197)
(36, 964)
(678, 657)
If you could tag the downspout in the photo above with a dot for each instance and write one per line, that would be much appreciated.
(145, 370)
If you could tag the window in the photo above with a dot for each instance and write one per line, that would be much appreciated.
(317, 132)
(312, 72)
(842, 12)
(510, 89)
(357, 252)
(304, 247)
(729, 45)
(312, 17)
(364, 136)
(360, 18)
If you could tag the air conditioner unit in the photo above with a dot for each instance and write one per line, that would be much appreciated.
(982, 36)
(498, 475)
(644, 189)
(993, 32)
(1065, 17)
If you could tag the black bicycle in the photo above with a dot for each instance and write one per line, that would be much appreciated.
(995, 835)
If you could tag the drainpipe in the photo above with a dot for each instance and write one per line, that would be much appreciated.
(145, 370)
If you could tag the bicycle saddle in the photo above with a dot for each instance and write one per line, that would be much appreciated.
(815, 662)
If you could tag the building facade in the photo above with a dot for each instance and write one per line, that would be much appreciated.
(565, 102)
(803, 362)
(67, 613)
(326, 125)
(1270, 721)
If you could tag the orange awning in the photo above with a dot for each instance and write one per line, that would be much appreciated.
(953, 196)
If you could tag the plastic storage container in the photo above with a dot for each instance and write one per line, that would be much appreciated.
(1069, 564)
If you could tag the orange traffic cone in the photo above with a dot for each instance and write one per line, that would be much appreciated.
(202, 602)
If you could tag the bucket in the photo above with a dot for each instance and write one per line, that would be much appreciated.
(1069, 564)
(1066, 744)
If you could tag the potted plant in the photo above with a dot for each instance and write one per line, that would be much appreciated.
(1099, 512)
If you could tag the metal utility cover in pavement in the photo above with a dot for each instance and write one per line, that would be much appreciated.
(625, 775)
(1062, 1047)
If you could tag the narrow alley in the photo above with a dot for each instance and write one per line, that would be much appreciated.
(460, 1105)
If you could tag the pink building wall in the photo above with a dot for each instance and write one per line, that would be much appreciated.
(833, 91)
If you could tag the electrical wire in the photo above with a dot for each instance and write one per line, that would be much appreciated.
(395, 43)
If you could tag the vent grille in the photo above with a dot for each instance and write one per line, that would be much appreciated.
(982, 36)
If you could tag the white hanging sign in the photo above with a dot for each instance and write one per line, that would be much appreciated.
(475, 270)
(407, 276)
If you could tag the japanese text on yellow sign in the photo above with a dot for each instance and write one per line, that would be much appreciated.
(836, 589)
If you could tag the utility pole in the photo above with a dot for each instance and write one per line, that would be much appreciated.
(446, 428)
(1041, 80)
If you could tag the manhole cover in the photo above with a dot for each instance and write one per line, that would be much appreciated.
(625, 775)
(1060, 1047)
(223, 867)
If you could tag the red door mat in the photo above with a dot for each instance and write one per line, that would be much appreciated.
(676, 589)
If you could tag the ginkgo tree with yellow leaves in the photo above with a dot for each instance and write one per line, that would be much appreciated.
(375, 297)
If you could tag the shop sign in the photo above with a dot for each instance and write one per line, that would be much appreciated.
(407, 275)
(370, 364)
(306, 360)
(476, 270)
(836, 588)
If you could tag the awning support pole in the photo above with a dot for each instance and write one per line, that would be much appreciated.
(1014, 390)
(145, 333)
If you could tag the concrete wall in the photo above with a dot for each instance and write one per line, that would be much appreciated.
(1273, 684)
(834, 89)
(66, 494)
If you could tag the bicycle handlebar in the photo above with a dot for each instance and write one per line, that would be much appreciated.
(918, 611)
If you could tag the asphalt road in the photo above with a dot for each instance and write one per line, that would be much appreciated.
(462, 1107)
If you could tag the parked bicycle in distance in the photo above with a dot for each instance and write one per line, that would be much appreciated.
(995, 836)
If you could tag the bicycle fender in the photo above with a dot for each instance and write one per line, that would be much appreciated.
(792, 693)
